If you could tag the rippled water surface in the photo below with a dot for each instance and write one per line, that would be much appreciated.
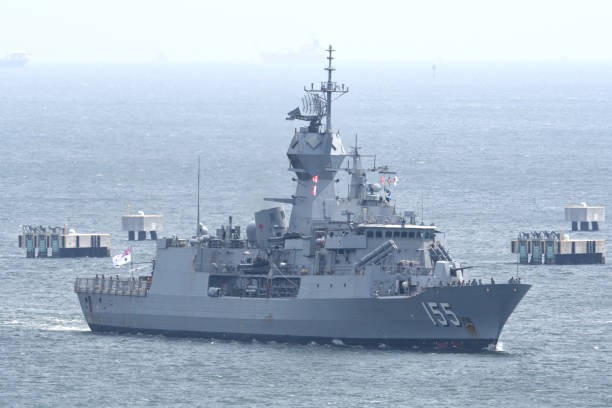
(493, 150)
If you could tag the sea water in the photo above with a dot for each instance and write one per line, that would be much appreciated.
(484, 151)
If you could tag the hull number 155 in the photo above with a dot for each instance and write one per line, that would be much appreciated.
(441, 314)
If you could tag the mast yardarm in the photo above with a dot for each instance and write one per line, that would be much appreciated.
(319, 101)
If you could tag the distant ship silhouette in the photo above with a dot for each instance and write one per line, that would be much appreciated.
(15, 59)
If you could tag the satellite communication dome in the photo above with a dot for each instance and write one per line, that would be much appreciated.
(251, 231)
(374, 188)
(203, 229)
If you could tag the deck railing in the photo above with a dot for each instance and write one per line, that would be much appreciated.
(113, 286)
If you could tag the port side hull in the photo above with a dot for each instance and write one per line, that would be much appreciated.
(405, 322)
(440, 344)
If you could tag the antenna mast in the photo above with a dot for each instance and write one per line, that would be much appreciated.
(422, 205)
(198, 226)
(328, 88)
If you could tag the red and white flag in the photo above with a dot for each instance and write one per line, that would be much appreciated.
(315, 179)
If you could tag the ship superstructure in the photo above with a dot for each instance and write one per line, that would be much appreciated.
(352, 269)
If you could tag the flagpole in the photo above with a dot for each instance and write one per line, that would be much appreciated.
(132, 261)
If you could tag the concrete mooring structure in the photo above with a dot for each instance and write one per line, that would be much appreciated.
(583, 215)
(142, 224)
(551, 247)
(61, 242)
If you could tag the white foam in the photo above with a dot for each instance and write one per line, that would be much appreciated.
(51, 324)
(65, 328)
(496, 347)
(59, 324)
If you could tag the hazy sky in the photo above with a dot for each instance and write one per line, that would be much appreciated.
(241, 31)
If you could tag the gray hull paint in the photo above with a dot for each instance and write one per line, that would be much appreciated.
(395, 321)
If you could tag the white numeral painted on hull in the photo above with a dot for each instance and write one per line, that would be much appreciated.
(428, 313)
(452, 317)
(441, 314)
(439, 317)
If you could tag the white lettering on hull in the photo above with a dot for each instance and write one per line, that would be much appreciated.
(441, 314)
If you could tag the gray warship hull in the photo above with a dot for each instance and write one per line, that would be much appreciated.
(394, 321)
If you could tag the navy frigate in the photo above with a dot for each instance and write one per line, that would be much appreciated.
(351, 269)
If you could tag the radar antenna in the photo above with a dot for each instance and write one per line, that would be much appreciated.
(313, 104)
(317, 102)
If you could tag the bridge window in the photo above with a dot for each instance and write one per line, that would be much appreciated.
(396, 234)
(378, 234)
(404, 234)
(411, 234)
(388, 234)
(370, 234)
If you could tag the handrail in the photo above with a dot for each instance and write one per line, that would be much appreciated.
(112, 286)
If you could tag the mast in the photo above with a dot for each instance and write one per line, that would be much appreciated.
(328, 88)
(315, 153)
(358, 179)
(329, 85)
(198, 226)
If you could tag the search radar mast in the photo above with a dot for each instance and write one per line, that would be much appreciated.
(328, 88)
